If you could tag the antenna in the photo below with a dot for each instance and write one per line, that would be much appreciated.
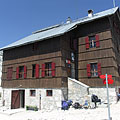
(113, 3)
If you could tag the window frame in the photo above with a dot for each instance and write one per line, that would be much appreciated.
(92, 42)
(35, 46)
(32, 94)
(21, 72)
(49, 93)
(94, 73)
(48, 69)
(33, 70)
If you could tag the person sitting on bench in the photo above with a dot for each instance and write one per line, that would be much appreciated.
(95, 99)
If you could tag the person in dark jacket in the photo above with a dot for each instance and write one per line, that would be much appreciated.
(95, 99)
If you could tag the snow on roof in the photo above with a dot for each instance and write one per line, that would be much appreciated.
(58, 30)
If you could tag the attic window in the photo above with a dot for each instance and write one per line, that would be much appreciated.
(35, 46)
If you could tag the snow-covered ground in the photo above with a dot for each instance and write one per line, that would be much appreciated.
(100, 113)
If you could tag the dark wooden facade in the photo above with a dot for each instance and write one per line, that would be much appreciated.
(59, 49)
(46, 51)
(107, 54)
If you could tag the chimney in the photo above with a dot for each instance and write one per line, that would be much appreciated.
(68, 20)
(90, 13)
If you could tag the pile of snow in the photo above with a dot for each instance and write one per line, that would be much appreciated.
(100, 113)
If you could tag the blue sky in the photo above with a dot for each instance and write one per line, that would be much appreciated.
(19, 18)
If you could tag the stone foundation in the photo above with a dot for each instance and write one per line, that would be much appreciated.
(41, 100)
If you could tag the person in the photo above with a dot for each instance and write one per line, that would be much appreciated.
(118, 96)
(64, 105)
(95, 99)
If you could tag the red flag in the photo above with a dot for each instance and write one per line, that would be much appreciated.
(110, 81)
(104, 76)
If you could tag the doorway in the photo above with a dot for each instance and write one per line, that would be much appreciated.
(22, 98)
(18, 99)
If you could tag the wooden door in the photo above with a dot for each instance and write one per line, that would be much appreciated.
(15, 103)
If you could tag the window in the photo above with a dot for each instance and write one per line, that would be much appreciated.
(33, 70)
(32, 93)
(48, 69)
(94, 69)
(73, 44)
(35, 46)
(92, 41)
(21, 72)
(49, 93)
(9, 73)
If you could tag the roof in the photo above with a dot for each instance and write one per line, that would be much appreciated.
(58, 30)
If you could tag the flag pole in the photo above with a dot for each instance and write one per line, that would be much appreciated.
(113, 3)
(108, 98)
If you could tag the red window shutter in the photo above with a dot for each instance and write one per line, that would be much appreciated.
(9, 73)
(87, 42)
(43, 70)
(99, 69)
(25, 71)
(53, 69)
(17, 72)
(37, 71)
(97, 41)
(88, 70)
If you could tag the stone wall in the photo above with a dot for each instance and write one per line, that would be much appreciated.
(64, 93)
(41, 100)
(7, 97)
(51, 102)
(77, 91)
(32, 100)
(102, 94)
